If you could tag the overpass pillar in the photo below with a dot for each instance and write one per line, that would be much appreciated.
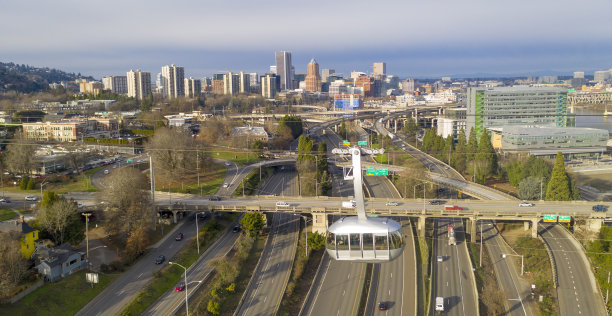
(525, 226)
(395, 126)
(421, 226)
(319, 222)
(473, 224)
(534, 227)
(174, 217)
(593, 225)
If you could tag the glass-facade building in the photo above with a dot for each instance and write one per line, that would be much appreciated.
(519, 105)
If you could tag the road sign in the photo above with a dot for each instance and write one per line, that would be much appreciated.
(131, 160)
(346, 143)
(362, 143)
(550, 218)
(565, 219)
(372, 215)
(370, 171)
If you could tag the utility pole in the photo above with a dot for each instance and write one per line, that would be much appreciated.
(541, 180)
(198, 170)
(87, 235)
(608, 288)
(480, 261)
(152, 179)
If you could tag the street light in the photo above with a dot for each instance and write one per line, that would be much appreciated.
(198, 231)
(306, 220)
(522, 260)
(186, 299)
(41, 188)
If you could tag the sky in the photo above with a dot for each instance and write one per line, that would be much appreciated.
(420, 39)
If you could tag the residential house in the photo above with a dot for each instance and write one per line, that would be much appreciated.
(27, 235)
(56, 263)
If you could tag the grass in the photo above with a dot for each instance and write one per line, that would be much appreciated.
(210, 181)
(65, 297)
(490, 298)
(168, 276)
(238, 157)
(6, 214)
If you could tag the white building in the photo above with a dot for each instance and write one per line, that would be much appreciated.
(173, 81)
(193, 87)
(138, 84)
(116, 84)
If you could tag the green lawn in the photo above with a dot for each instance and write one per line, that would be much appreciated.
(241, 158)
(209, 183)
(65, 297)
(7, 213)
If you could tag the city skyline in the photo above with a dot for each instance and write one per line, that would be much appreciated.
(421, 40)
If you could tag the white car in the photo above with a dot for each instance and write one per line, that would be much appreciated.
(526, 204)
(30, 198)
(227, 163)
(391, 203)
(440, 259)
(282, 204)
(226, 185)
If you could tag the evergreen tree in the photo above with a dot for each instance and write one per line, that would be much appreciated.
(342, 130)
(513, 170)
(301, 146)
(558, 188)
(487, 154)
(529, 189)
(448, 148)
(472, 145)
(322, 151)
(459, 158)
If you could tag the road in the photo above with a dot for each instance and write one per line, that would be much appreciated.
(123, 290)
(267, 286)
(577, 291)
(516, 289)
(452, 278)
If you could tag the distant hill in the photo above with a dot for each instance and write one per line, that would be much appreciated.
(24, 78)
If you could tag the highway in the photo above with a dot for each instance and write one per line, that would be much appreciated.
(267, 286)
(577, 291)
(452, 278)
(516, 289)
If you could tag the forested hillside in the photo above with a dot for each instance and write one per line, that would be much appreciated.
(24, 78)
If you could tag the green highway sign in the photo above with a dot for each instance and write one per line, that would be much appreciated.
(131, 160)
(370, 171)
(346, 143)
(550, 218)
(372, 215)
(565, 219)
(362, 143)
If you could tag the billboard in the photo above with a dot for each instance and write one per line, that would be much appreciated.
(347, 102)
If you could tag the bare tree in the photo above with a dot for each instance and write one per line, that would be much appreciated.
(13, 267)
(128, 201)
(75, 159)
(57, 217)
(20, 158)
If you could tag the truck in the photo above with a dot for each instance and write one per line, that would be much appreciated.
(349, 204)
(453, 208)
(451, 235)
(391, 135)
(439, 305)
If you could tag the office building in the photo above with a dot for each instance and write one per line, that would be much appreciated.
(253, 79)
(193, 87)
(71, 130)
(548, 79)
(347, 102)
(284, 70)
(379, 69)
(519, 105)
(268, 86)
(115, 84)
(244, 82)
(325, 73)
(602, 75)
(407, 85)
(173, 81)
(547, 140)
(313, 79)
(138, 84)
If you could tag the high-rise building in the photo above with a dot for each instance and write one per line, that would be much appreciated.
(268, 86)
(520, 105)
(325, 73)
(173, 81)
(408, 85)
(138, 84)
(578, 74)
(193, 87)
(245, 82)
(379, 69)
(115, 84)
(602, 75)
(253, 79)
(231, 83)
(284, 69)
(313, 79)
(89, 87)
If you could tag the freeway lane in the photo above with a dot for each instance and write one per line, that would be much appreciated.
(516, 289)
(267, 286)
(452, 278)
(577, 291)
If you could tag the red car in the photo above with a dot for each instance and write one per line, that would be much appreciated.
(453, 207)
(180, 287)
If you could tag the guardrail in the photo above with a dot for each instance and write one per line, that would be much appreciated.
(553, 263)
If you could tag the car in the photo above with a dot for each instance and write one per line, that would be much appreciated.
(179, 287)
(30, 198)
(282, 204)
(600, 208)
(227, 163)
(214, 198)
(114, 166)
(435, 202)
(106, 171)
(4, 200)
(80, 205)
(453, 208)
(440, 259)
(179, 237)
(341, 183)
(236, 229)
(226, 185)
(526, 204)
(382, 306)
(391, 203)
(160, 259)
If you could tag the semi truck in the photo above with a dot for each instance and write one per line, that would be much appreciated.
(439, 305)
(451, 235)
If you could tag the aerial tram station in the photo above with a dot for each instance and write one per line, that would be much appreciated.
(361, 238)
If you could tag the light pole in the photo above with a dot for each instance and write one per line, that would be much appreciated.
(541, 184)
(306, 220)
(522, 261)
(198, 231)
(41, 188)
(186, 299)
(87, 233)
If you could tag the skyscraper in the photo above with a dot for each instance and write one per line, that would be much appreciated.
(173, 81)
(138, 84)
(268, 86)
(313, 79)
(325, 73)
(245, 82)
(284, 69)
(116, 84)
(193, 87)
(379, 69)
(231, 83)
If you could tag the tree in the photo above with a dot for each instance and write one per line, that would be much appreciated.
(58, 217)
(252, 222)
(529, 189)
(20, 156)
(487, 154)
(448, 148)
(536, 167)
(342, 130)
(316, 241)
(49, 197)
(322, 152)
(558, 188)
(13, 267)
(214, 307)
(458, 156)
(128, 200)
(75, 160)
(472, 145)
(137, 242)
(513, 170)
(294, 123)
(30, 185)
